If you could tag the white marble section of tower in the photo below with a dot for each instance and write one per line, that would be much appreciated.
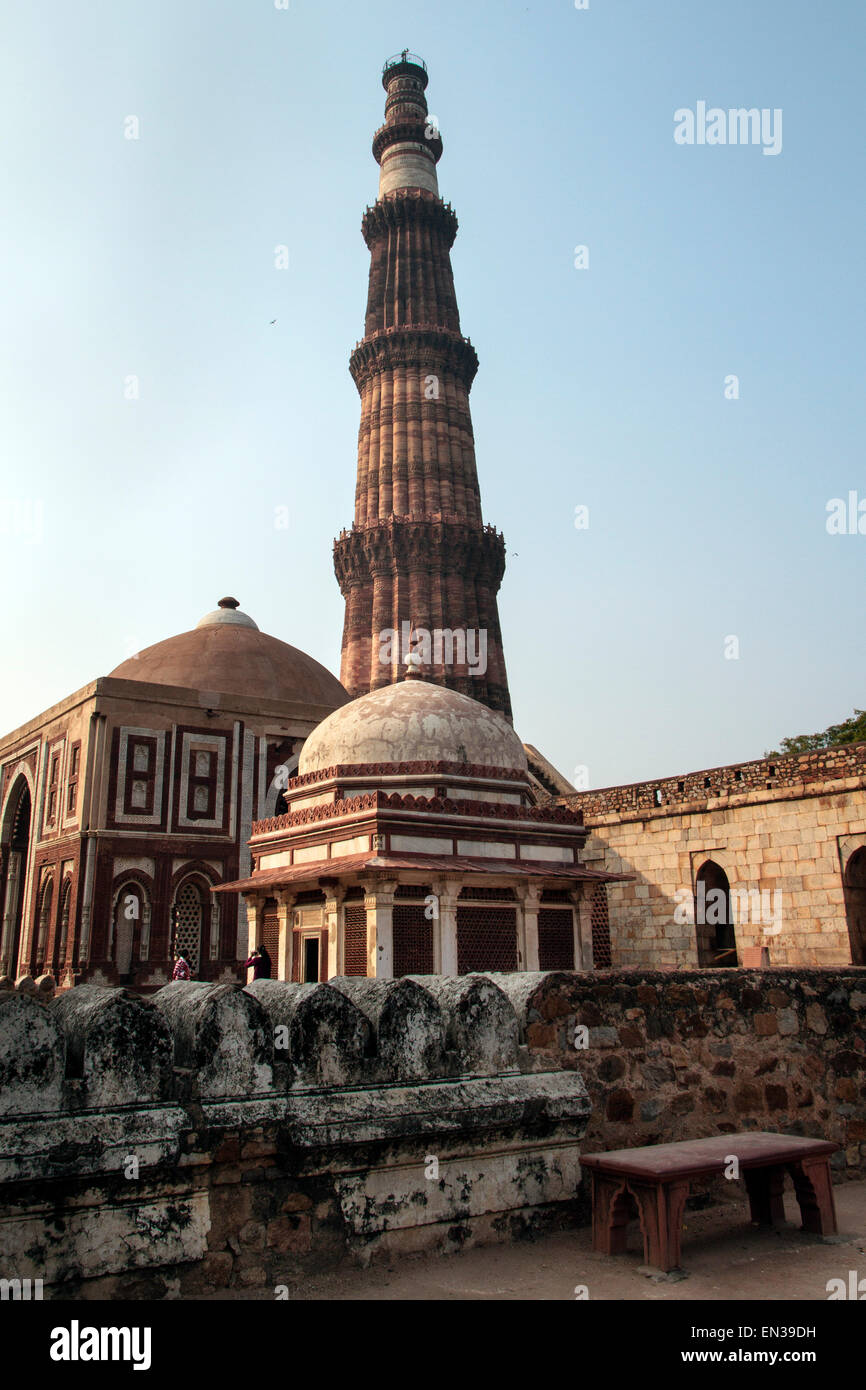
(407, 146)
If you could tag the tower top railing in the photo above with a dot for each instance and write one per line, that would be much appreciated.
(399, 59)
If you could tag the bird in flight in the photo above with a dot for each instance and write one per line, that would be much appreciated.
(273, 321)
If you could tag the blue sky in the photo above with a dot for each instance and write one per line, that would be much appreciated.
(123, 521)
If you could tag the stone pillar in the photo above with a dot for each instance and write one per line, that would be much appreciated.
(379, 903)
(87, 902)
(581, 898)
(446, 957)
(335, 923)
(214, 930)
(285, 951)
(529, 901)
(255, 907)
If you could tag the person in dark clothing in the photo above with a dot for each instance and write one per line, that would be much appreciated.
(260, 960)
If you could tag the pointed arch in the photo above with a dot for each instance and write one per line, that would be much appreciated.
(45, 902)
(714, 918)
(15, 846)
(854, 883)
(63, 922)
(129, 929)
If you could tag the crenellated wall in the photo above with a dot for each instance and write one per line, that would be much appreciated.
(762, 774)
(791, 829)
(211, 1136)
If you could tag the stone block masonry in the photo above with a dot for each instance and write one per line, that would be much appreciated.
(793, 829)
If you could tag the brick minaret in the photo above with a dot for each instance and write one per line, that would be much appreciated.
(418, 551)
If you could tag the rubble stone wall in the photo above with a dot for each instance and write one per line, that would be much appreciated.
(667, 1057)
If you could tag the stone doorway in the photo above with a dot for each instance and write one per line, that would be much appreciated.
(855, 904)
(16, 847)
(310, 960)
(127, 919)
(714, 918)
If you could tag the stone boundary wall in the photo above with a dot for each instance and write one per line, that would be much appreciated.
(214, 1137)
(764, 774)
(678, 1056)
(211, 1136)
(785, 853)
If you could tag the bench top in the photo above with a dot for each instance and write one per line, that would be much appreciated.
(693, 1157)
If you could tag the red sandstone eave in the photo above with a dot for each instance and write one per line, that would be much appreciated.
(424, 863)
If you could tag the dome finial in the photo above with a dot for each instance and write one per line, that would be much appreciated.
(413, 661)
(228, 603)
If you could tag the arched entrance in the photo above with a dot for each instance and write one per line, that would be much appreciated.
(128, 914)
(714, 919)
(16, 846)
(855, 904)
(62, 949)
(43, 924)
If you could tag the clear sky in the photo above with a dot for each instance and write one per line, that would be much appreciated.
(122, 521)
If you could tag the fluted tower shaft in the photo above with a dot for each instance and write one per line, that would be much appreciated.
(418, 552)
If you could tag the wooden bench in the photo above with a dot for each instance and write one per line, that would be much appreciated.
(658, 1178)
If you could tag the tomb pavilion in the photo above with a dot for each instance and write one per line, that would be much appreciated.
(412, 845)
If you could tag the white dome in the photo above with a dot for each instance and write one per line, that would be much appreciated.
(413, 722)
(227, 614)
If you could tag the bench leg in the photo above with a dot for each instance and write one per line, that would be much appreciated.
(661, 1206)
(610, 1214)
(765, 1187)
(814, 1188)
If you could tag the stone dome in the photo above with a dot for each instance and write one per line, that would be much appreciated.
(413, 721)
(227, 654)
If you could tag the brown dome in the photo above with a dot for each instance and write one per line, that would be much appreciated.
(227, 654)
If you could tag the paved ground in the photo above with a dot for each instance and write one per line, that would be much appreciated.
(725, 1257)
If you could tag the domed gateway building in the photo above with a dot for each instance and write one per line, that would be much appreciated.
(122, 807)
(411, 844)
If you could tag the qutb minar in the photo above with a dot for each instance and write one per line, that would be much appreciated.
(418, 557)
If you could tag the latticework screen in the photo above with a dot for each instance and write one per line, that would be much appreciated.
(271, 933)
(413, 941)
(355, 941)
(555, 938)
(600, 928)
(486, 939)
(187, 933)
